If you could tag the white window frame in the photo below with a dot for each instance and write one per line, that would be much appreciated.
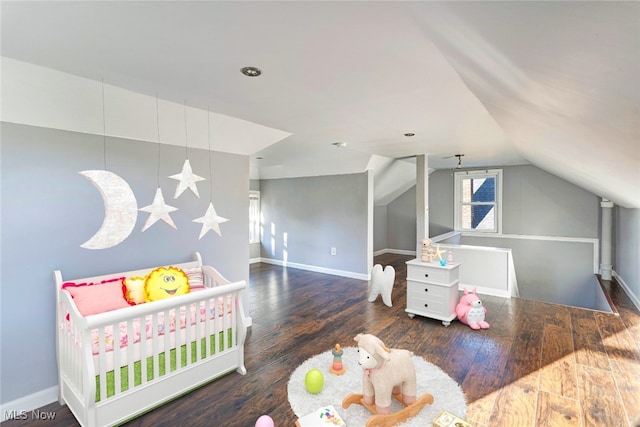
(458, 204)
(254, 218)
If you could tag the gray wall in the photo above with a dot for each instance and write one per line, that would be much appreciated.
(440, 202)
(312, 214)
(627, 248)
(539, 203)
(379, 228)
(395, 224)
(549, 270)
(534, 202)
(48, 210)
(401, 221)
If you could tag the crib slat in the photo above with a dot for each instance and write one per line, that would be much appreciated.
(178, 335)
(103, 363)
(207, 327)
(199, 324)
(130, 353)
(234, 323)
(216, 325)
(143, 350)
(188, 326)
(117, 360)
(155, 345)
(167, 343)
(225, 324)
(75, 353)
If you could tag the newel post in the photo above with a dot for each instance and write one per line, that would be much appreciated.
(605, 239)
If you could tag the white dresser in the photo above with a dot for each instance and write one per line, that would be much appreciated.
(432, 290)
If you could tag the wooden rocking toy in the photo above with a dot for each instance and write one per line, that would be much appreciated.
(389, 420)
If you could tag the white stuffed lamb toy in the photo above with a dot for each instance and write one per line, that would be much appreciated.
(386, 371)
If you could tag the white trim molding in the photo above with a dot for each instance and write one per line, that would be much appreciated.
(634, 298)
(394, 251)
(317, 269)
(593, 241)
(26, 407)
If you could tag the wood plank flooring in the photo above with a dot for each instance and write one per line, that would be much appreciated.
(539, 364)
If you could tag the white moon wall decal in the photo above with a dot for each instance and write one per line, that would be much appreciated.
(120, 209)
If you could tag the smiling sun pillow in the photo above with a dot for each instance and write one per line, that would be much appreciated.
(164, 283)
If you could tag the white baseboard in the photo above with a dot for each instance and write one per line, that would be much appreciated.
(317, 269)
(485, 291)
(255, 260)
(22, 407)
(634, 298)
(394, 251)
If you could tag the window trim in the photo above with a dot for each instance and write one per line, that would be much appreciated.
(255, 233)
(457, 200)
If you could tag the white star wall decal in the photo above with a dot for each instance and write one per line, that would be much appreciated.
(210, 221)
(158, 209)
(187, 179)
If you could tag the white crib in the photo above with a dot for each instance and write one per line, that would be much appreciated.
(167, 347)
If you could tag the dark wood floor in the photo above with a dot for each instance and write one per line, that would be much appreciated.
(539, 364)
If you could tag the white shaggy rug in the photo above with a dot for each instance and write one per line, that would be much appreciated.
(447, 394)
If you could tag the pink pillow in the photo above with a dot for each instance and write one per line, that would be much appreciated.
(97, 298)
(196, 279)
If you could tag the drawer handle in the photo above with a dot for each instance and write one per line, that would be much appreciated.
(426, 289)
(426, 275)
(426, 305)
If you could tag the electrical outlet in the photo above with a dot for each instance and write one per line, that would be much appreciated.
(333, 251)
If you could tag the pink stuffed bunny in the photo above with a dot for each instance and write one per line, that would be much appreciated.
(470, 310)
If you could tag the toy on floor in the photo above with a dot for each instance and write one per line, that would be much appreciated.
(470, 310)
(447, 419)
(264, 421)
(325, 416)
(387, 373)
(314, 381)
(337, 367)
(382, 283)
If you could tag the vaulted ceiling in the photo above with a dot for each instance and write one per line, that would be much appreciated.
(554, 84)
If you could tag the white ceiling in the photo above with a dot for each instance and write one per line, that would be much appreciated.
(554, 84)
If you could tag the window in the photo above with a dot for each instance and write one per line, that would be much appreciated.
(478, 197)
(254, 217)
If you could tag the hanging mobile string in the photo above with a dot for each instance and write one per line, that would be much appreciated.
(186, 134)
(209, 155)
(159, 145)
(104, 130)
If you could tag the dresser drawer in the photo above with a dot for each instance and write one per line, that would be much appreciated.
(432, 273)
(427, 306)
(425, 290)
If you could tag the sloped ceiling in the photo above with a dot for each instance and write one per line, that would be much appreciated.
(550, 83)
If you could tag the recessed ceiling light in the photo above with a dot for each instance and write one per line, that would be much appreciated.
(251, 71)
(409, 134)
(339, 144)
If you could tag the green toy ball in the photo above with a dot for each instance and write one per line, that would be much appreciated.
(314, 381)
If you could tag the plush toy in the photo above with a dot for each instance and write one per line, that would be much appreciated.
(427, 253)
(382, 283)
(134, 289)
(386, 371)
(470, 310)
(164, 282)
